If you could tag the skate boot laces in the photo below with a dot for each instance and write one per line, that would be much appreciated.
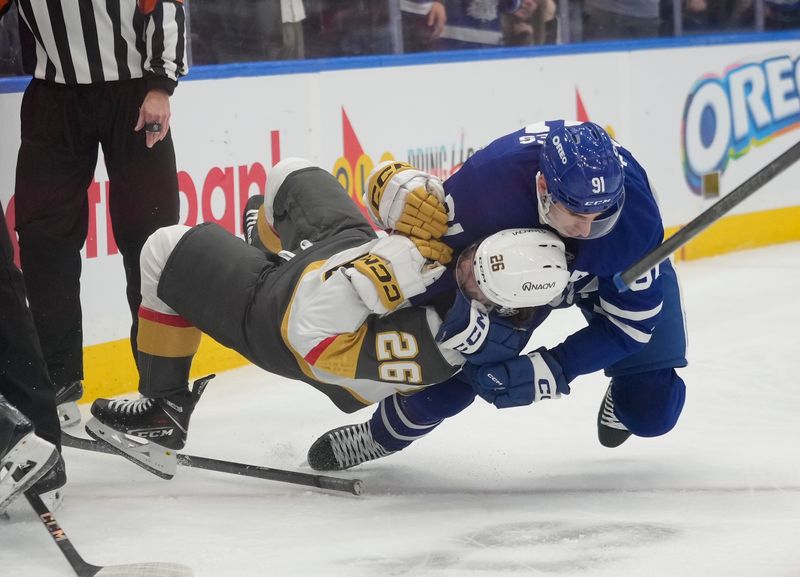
(355, 444)
(131, 407)
(607, 416)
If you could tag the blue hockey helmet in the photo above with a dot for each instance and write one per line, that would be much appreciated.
(584, 174)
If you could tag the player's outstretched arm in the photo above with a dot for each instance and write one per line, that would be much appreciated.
(398, 348)
(391, 273)
(356, 322)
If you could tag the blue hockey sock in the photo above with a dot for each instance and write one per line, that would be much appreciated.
(402, 419)
(392, 428)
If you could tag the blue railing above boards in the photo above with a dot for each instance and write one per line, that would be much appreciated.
(17, 84)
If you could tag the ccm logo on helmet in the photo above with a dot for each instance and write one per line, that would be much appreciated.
(560, 148)
(532, 286)
(596, 202)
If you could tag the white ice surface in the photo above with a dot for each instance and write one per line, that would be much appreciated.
(525, 491)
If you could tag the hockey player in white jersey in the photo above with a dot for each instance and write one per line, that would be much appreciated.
(332, 311)
(573, 179)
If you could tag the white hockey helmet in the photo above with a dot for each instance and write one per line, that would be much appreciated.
(514, 268)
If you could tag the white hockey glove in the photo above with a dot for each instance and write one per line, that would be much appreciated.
(391, 273)
(401, 198)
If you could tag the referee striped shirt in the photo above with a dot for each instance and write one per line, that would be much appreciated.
(92, 41)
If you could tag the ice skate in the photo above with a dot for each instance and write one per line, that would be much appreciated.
(345, 447)
(610, 431)
(67, 398)
(50, 486)
(257, 231)
(147, 431)
(250, 218)
(24, 457)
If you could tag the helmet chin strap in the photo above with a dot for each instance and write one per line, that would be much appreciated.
(507, 311)
(545, 202)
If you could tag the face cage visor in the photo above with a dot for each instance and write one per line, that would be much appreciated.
(558, 216)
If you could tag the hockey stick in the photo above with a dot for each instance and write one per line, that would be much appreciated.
(84, 569)
(624, 279)
(354, 486)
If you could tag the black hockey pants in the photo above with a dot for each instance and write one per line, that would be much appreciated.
(23, 375)
(62, 127)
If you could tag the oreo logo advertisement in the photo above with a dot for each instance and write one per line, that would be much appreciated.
(725, 116)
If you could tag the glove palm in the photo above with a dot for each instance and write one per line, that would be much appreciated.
(411, 202)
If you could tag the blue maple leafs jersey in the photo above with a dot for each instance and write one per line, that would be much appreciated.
(495, 189)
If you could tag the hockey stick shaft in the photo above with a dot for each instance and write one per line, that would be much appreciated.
(84, 569)
(354, 486)
(713, 213)
(81, 567)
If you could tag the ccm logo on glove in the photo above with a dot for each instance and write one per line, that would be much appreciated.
(378, 270)
(500, 385)
(545, 389)
(519, 381)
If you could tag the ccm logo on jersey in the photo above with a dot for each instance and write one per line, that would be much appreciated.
(380, 273)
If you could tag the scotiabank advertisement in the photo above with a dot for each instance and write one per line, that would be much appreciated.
(686, 113)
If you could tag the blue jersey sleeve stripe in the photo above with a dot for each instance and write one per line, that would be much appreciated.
(635, 334)
(630, 315)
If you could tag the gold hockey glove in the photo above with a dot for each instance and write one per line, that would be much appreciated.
(433, 249)
(402, 198)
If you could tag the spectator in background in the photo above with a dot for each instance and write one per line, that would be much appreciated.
(710, 16)
(423, 22)
(247, 31)
(621, 19)
(99, 82)
(347, 28)
(695, 17)
(477, 23)
(10, 50)
(781, 14)
(292, 15)
(533, 23)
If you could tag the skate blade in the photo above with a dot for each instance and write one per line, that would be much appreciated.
(146, 570)
(30, 449)
(69, 414)
(153, 457)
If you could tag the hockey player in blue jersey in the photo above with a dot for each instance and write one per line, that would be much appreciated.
(574, 179)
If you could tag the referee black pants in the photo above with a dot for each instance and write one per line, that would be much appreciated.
(62, 128)
(23, 375)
